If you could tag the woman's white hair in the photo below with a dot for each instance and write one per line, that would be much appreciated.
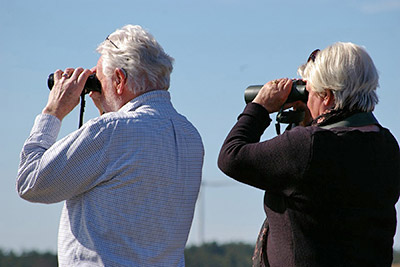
(348, 71)
(136, 51)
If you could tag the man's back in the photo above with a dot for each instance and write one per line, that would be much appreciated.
(131, 187)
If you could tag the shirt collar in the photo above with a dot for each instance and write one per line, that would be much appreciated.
(151, 96)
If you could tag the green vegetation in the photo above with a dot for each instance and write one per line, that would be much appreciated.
(214, 255)
(27, 259)
(209, 254)
(396, 256)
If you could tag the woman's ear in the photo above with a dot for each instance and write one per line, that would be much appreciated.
(329, 99)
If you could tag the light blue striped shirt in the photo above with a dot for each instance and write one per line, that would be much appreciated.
(130, 180)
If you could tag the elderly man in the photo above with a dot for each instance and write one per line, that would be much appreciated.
(130, 177)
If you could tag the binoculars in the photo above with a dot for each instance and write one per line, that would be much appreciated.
(92, 84)
(298, 92)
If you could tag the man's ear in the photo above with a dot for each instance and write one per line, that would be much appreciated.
(120, 80)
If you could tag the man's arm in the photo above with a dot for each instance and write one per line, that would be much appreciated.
(49, 171)
(52, 171)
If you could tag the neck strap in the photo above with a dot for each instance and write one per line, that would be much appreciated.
(356, 120)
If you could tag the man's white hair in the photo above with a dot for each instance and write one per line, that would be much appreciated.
(136, 51)
(347, 70)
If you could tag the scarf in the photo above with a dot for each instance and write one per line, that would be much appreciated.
(331, 116)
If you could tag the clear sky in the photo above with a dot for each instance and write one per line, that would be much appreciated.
(220, 47)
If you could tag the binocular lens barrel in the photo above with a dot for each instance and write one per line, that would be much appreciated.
(92, 84)
(298, 92)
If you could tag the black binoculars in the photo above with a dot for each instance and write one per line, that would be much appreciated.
(92, 84)
(298, 92)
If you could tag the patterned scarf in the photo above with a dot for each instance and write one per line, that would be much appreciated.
(331, 116)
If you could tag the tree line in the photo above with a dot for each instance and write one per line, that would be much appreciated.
(206, 255)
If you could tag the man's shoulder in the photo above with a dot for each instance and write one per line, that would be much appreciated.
(110, 119)
(143, 115)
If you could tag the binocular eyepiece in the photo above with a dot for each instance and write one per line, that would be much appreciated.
(92, 84)
(298, 92)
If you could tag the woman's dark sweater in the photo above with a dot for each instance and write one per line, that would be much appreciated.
(330, 195)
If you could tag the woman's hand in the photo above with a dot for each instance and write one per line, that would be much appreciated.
(301, 106)
(273, 95)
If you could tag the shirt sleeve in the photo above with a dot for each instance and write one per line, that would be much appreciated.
(274, 165)
(51, 171)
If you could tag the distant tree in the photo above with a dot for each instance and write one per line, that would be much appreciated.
(28, 259)
(206, 255)
(214, 255)
(396, 256)
(233, 255)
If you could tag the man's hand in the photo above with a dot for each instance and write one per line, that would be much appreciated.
(274, 94)
(96, 96)
(65, 94)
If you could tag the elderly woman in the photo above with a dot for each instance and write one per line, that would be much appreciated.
(330, 187)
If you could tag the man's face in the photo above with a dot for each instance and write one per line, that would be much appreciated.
(108, 92)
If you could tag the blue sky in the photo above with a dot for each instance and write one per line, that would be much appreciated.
(220, 47)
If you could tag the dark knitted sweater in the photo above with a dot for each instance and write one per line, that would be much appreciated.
(329, 194)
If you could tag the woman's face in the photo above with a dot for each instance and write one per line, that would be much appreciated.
(315, 102)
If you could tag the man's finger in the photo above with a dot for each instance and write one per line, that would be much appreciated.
(68, 72)
(76, 73)
(83, 76)
(57, 75)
